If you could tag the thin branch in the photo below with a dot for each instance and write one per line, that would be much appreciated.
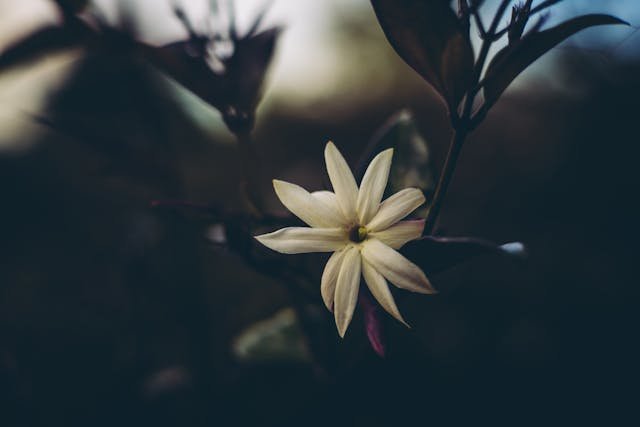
(260, 18)
(457, 141)
(544, 5)
(479, 24)
(540, 8)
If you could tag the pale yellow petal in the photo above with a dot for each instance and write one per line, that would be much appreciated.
(330, 277)
(380, 290)
(373, 184)
(297, 240)
(395, 208)
(396, 268)
(347, 286)
(342, 180)
(400, 233)
(331, 200)
(312, 210)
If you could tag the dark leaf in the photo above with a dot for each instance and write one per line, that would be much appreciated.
(437, 254)
(514, 59)
(234, 92)
(247, 70)
(429, 37)
(71, 7)
(46, 40)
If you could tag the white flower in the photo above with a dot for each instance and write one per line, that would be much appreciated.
(362, 233)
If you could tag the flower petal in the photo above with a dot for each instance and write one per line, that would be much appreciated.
(305, 206)
(330, 199)
(373, 185)
(395, 208)
(396, 268)
(298, 240)
(342, 180)
(400, 233)
(330, 277)
(380, 290)
(347, 286)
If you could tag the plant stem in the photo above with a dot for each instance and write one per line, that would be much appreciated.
(463, 126)
(457, 141)
(252, 173)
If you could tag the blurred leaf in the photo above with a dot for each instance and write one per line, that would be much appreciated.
(248, 69)
(70, 7)
(278, 338)
(236, 91)
(430, 38)
(411, 166)
(514, 59)
(437, 254)
(46, 40)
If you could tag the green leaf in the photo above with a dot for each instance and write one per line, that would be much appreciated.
(430, 38)
(514, 59)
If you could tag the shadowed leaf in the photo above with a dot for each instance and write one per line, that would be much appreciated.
(234, 92)
(71, 7)
(514, 59)
(71, 32)
(430, 38)
(46, 40)
(437, 254)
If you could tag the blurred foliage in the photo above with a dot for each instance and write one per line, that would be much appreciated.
(278, 338)
(411, 165)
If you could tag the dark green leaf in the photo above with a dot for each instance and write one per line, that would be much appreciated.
(514, 59)
(429, 37)
(437, 254)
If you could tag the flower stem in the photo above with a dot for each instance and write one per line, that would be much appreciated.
(457, 141)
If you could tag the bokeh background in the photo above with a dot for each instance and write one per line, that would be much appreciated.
(113, 312)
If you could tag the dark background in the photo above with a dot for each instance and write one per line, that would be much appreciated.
(116, 313)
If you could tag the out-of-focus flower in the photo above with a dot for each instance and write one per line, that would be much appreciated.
(361, 230)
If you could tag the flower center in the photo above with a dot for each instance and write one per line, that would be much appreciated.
(358, 234)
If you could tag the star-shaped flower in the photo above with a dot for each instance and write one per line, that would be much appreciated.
(362, 232)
